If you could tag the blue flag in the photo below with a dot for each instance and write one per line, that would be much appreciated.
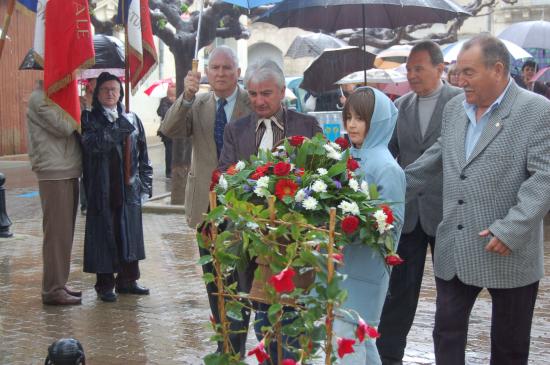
(28, 4)
(122, 18)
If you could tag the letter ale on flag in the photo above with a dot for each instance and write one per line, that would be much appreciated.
(68, 47)
(142, 54)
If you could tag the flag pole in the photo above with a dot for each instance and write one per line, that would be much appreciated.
(126, 60)
(195, 62)
(7, 20)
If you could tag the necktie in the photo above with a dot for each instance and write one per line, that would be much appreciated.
(219, 126)
(267, 138)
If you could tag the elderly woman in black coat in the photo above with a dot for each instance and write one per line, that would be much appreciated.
(117, 178)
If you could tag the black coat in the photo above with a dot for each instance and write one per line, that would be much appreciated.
(109, 197)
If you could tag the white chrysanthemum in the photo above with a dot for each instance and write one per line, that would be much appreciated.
(222, 183)
(381, 217)
(240, 165)
(365, 188)
(353, 184)
(310, 203)
(336, 146)
(261, 192)
(328, 148)
(319, 186)
(300, 195)
(335, 155)
(349, 207)
(263, 182)
(321, 171)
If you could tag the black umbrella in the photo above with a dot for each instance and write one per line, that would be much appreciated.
(109, 53)
(312, 45)
(332, 65)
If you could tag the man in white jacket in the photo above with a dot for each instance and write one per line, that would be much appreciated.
(56, 159)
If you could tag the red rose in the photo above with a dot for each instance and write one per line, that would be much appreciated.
(389, 214)
(216, 174)
(394, 260)
(232, 170)
(342, 142)
(281, 168)
(260, 353)
(289, 362)
(364, 329)
(282, 282)
(297, 140)
(352, 164)
(345, 346)
(261, 171)
(285, 187)
(350, 224)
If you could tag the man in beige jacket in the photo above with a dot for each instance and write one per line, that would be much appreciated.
(56, 159)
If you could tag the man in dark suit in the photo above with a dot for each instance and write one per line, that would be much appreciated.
(418, 127)
(269, 123)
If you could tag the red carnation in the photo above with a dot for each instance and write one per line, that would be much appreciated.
(352, 164)
(342, 142)
(260, 353)
(282, 282)
(345, 346)
(389, 214)
(350, 224)
(261, 171)
(289, 362)
(285, 187)
(364, 329)
(394, 260)
(232, 170)
(297, 140)
(216, 174)
(281, 168)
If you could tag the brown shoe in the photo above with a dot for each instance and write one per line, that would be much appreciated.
(74, 293)
(60, 297)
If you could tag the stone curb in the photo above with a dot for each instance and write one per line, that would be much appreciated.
(155, 205)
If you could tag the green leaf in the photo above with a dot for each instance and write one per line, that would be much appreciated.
(205, 259)
(233, 310)
(273, 312)
(337, 169)
(208, 278)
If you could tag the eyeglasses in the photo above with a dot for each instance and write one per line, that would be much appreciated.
(111, 90)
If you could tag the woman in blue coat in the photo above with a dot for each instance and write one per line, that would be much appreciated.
(369, 118)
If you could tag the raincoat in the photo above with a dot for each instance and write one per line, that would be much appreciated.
(367, 274)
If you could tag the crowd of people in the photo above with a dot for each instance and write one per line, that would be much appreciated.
(465, 163)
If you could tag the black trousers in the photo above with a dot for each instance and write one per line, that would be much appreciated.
(167, 155)
(238, 329)
(402, 299)
(128, 273)
(511, 319)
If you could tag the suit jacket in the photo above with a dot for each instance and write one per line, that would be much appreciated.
(407, 144)
(504, 186)
(196, 120)
(239, 138)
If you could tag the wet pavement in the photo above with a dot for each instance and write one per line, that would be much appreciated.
(171, 325)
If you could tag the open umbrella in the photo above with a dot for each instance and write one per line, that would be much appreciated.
(109, 54)
(312, 45)
(332, 65)
(393, 56)
(250, 4)
(374, 75)
(534, 34)
(159, 88)
(543, 75)
(450, 53)
(333, 15)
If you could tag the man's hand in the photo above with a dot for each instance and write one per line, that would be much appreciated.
(495, 245)
(191, 85)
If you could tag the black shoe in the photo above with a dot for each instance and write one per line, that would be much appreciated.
(133, 288)
(109, 296)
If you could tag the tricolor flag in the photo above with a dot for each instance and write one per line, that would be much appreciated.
(67, 45)
(28, 5)
(39, 29)
(142, 54)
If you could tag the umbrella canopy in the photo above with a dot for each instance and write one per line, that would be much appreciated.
(332, 65)
(450, 53)
(398, 89)
(543, 75)
(109, 54)
(332, 15)
(313, 45)
(159, 88)
(374, 75)
(250, 4)
(535, 34)
(397, 51)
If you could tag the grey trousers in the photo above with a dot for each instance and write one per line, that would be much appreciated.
(59, 199)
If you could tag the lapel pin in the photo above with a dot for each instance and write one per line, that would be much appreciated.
(497, 125)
